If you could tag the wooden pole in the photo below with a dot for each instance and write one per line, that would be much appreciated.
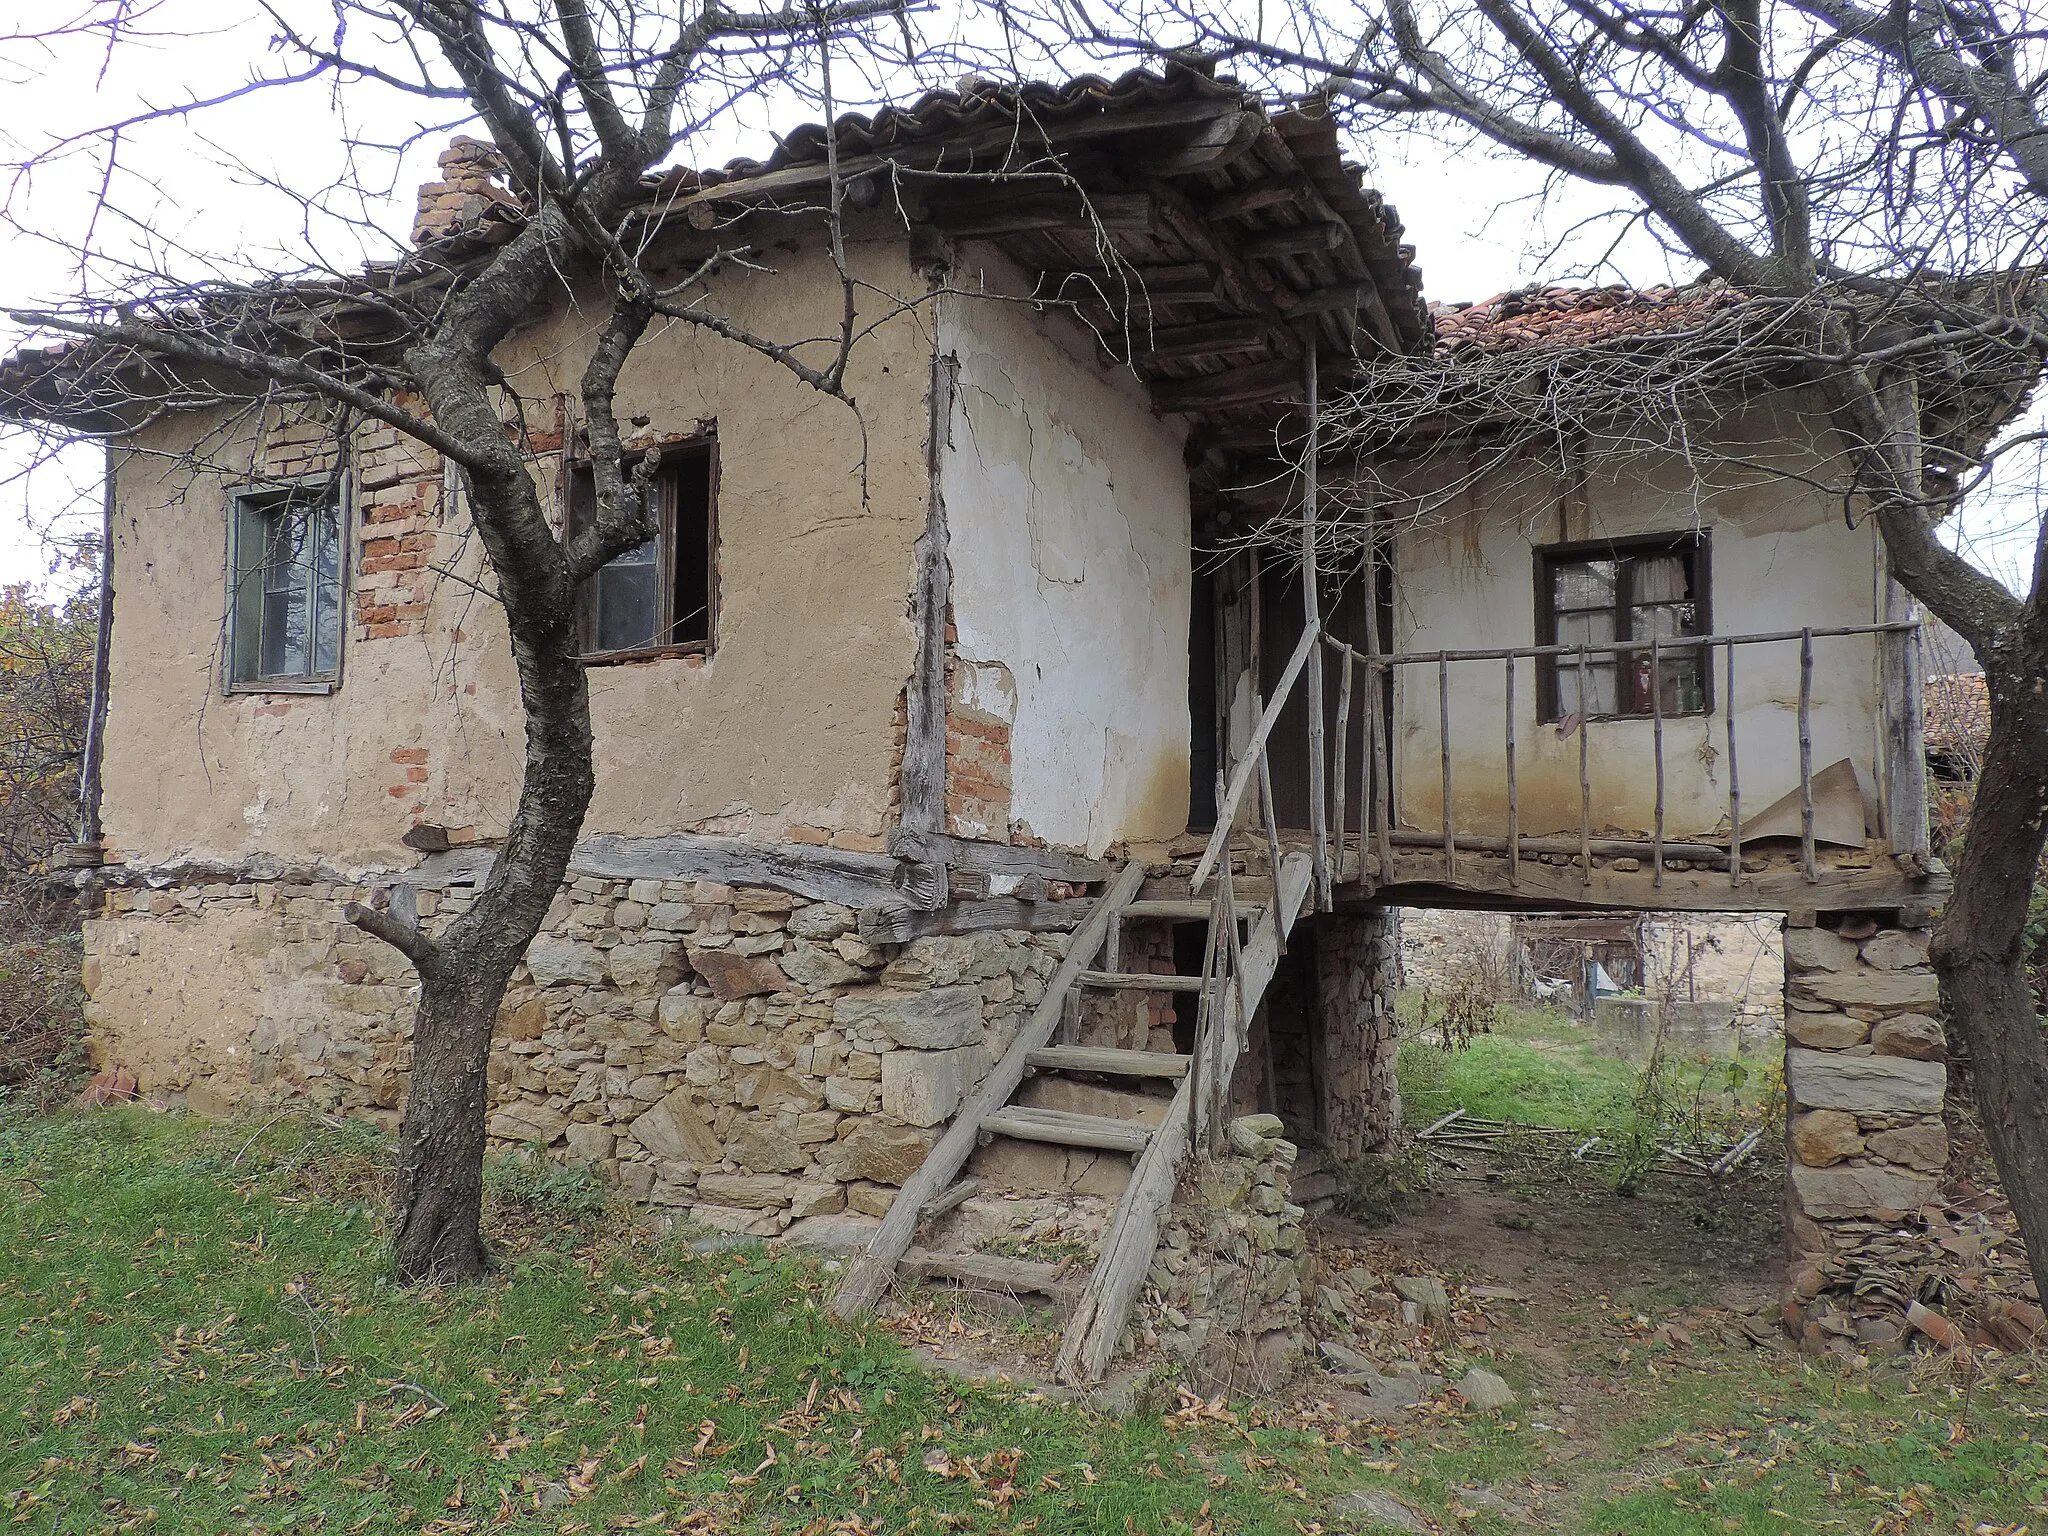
(1657, 733)
(1734, 781)
(1443, 714)
(1806, 858)
(1338, 799)
(1514, 799)
(1312, 617)
(1585, 777)
(1248, 765)
(1272, 821)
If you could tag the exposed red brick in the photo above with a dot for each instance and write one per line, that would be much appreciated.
(408, 754)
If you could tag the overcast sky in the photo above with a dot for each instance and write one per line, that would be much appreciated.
(221, 188)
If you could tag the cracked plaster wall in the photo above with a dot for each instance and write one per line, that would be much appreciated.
(1056, 466)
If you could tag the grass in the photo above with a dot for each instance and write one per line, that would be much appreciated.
(202, 1337)
(1540, 1067)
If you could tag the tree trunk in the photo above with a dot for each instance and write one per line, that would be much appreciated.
(439, 1199)
(1980, 947)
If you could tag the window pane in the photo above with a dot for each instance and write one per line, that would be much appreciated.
(1594, 628)
(1664, 619)
(1598, 688)
(287, 599)
(1584, 584)
(629, 600)
(1661, 579)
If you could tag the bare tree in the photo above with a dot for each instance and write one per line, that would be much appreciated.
(1867, 183)
(581, 102)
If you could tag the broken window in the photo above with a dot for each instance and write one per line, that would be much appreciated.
(284, 607)
(1597, 594)
(661, 596)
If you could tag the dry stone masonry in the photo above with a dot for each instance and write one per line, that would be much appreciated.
(1227, 1281)
(1863, 1076)
(736, 1053)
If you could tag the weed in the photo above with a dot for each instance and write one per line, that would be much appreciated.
(1379, 1186)
(530, 1183)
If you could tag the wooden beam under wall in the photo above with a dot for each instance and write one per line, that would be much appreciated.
(922, 781)
(997, 859)
(900, 923)
(1417, 880)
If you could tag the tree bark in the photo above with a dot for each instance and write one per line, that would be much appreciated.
(1980, 945)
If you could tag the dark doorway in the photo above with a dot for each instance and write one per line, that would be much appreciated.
(1202, 705)
(1346, 608)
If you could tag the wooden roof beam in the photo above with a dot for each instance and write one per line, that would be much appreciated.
(1209, 338)
(1116, 288)
(983, 218)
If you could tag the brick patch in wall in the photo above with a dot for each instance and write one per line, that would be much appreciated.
(980, 704)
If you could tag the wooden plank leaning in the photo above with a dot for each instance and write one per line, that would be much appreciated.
(869, 1275)
(1248, 765)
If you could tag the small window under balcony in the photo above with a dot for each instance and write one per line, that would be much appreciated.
(1610, 592)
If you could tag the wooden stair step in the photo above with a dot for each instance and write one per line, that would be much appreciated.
(1139, 981)
(1088, 1058)
(993, 1272)
(1063, 1128)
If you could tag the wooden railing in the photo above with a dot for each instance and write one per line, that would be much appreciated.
(1903, 768)
(1353, 803)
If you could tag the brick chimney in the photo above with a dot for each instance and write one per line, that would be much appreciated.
(469, 199)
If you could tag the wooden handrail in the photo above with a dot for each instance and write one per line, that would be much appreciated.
(1248, 765)
(1616, 647)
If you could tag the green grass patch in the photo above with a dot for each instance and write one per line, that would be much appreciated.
(198, 1340)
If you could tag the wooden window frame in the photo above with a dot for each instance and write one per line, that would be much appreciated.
(1695, 545)
(580, 491)
(337, 489)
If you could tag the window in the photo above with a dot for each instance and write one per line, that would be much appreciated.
(661, 597)
(284, 605)
(1595, 594)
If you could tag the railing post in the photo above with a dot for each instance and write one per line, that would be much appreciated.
(1339, 798)
(1734, 778)
(1514, 801)
(1312, 616)
(1806, 857)
(1585, 780)
(1657, 731)
(1443, 709)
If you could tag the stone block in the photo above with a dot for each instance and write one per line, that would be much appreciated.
(851, 1096)
(1867, 1084)
(1825, 1031)
(1923, 1144)
(644, 964)
(816, 1198)
(1048, 1092)
(748, 1191)
(672, 917)
(1903, 990)
(923, 1087)
(869, 1199)
(731, 1218)
(524, 1120)
(770, 1088)
(1911, 1035)
(830, 1234)
(564, 962)
(875, 1150)
(1846, 1191)
(676, 1129)
(823, 921)
(733, 976)
(815, 969)
(760, 1146)
(636, 1180)
(1823, 1137)
(938, 1020)
(589, 1143)
(524, 1022)
(1893, 950)
(1816, 949)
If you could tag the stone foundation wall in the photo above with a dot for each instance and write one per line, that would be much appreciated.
(1864, 1079)
(738, 1053)
(1357, 1033)
(1224, 1297)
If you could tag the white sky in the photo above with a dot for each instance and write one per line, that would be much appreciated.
(1477, 226)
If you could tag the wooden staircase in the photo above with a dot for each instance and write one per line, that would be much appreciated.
(1236, 972)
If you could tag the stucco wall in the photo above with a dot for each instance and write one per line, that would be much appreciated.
(1067, 510)
(788, 726)
(1782, 559)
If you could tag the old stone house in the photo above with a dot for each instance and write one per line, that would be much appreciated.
(912, 728)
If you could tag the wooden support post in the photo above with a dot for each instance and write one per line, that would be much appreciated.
(1241, 775)
(1312, 617)
(922, 776)
(1806, 858)
(1271, 819)
(1585, 779)
(1905, 740)
(1734, 776)
(1443, 712)
(1514, 799)
(1657, 734)
(1338, 805)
